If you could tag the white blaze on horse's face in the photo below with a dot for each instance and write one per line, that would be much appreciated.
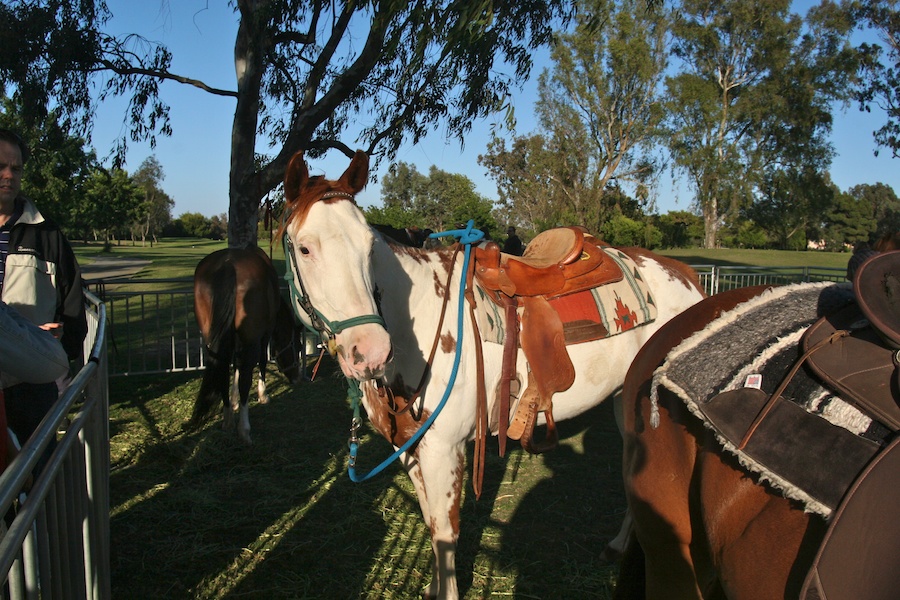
(333, 252)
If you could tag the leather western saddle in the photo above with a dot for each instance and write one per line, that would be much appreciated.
(864, 366)
(860, 358)
(557, 262)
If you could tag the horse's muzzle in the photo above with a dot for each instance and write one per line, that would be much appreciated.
(365, 356)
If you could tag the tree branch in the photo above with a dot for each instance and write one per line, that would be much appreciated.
(166, 75)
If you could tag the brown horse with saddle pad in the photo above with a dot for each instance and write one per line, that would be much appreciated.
(761, 448)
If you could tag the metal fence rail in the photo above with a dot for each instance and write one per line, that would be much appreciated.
(57, 546)
(717, 279)
(152, 326)
(154, 331)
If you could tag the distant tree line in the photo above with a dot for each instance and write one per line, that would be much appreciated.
(835, 221)
(735, 98)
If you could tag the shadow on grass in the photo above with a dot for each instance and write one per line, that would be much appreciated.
(199, 515)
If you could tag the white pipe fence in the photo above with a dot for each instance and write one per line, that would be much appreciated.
(57, 545)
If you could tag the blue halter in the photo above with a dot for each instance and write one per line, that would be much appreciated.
(467, 237)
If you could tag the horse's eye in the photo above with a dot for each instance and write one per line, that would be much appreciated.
(304, 250)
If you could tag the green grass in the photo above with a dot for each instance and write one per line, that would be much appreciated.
(758, 258)
(199, 515)
(177, 257)
(172, 257)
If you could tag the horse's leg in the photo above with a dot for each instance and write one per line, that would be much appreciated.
(261, 383)
(437, 476)
(616, 547)
(228, 392)
(241, 392)
(658, 465)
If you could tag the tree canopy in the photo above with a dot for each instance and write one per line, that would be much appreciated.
(438, 201)
(881, 68)
(309, 75)
(753, 94)
(598, 109)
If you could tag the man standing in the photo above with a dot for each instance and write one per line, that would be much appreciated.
(39, 277)
(513, 244)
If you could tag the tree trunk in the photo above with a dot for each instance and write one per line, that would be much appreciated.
(710, 223)
(243, 197)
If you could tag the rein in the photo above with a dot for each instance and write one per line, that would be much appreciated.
(467, 237)
(391, 407)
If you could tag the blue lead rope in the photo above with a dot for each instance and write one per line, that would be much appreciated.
(467, 237)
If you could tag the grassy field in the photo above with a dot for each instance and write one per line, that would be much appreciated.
(759, 258)
(199, 515)
(196, 514)
(177, 257)
(172, 257)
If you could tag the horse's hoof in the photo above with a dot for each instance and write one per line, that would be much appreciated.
(264, 399)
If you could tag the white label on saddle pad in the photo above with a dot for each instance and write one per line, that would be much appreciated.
(754, 380)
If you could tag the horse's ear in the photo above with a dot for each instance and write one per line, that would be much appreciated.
(357, 174)
(295, 176)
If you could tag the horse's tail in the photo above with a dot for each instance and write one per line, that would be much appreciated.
(220, 343)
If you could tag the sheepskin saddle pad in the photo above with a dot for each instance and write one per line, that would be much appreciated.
(811, 444)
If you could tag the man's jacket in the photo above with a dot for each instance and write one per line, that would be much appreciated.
(42, 278)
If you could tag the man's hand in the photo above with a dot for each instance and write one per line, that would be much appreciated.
(55, 329)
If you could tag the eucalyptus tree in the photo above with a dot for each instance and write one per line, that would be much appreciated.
(523, 174)
(881, 68)
(598, 109)
(310, 75)
(752, 93)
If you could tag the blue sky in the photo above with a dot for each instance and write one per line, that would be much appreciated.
(196, 158)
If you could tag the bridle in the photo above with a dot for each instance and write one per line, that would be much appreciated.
(300, 300)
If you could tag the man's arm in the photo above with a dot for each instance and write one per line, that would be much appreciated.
(27, 352)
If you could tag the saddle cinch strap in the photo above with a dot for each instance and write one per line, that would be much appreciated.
(557, 262)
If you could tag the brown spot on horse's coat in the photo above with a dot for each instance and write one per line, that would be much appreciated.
(678, 270)
(448, 343)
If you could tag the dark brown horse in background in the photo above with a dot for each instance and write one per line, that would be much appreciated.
(239, 310)
(706, 528)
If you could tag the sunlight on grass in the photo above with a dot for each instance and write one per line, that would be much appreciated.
(223, 584)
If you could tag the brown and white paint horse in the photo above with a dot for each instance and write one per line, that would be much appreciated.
(706, 528)
(344, 265)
